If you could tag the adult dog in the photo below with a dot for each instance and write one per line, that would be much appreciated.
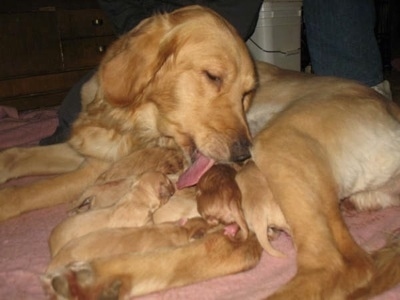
(169, 82)
(317, 140)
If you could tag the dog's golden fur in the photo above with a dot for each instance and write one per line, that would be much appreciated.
(112, 241)
(147, 98)
(172, 83)
(134, 273)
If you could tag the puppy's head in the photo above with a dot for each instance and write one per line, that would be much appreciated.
(219, 199)
(195, 72)
(155, 189)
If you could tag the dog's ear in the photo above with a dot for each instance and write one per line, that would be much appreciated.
(132, 62)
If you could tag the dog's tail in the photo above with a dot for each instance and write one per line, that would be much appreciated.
(387, 269)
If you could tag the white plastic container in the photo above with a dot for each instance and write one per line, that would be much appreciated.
(277, 37)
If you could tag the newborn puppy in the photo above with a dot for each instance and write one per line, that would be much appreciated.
(104, 194)
(147, 194)
(219, 200)
(113, 241)
(117, 181)
(263, 215)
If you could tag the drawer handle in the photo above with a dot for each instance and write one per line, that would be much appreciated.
(101, 48)
(97, 22)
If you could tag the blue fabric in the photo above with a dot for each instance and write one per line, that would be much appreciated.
(341, 39)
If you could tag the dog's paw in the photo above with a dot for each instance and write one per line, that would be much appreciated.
(78, 281)
(69, 282)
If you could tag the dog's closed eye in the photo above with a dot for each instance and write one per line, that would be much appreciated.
(213, 78)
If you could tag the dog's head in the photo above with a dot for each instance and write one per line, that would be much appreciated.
(195, 72)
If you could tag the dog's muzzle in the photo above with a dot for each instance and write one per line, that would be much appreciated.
(240, 150)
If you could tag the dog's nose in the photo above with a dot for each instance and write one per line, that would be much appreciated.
(240, 150)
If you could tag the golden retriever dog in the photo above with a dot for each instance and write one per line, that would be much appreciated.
(113, 241)
(146, 195)
(219, 200)
(146, 93)
(171, 83)
(316, 140)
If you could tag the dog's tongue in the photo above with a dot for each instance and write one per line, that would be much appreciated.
(193, 174)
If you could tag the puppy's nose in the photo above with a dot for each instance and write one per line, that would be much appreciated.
(240, 150)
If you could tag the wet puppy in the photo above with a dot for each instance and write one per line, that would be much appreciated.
(118, 179)
(219, 200)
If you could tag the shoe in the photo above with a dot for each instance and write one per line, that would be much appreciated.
(383, 88)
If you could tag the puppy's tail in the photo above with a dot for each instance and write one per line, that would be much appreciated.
(387, 269)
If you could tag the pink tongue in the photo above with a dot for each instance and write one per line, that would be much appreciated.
(193, 174)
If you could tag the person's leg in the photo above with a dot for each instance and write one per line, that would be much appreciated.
(341, 39)
(394, 6)
(68, 112)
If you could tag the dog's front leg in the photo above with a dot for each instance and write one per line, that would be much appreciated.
(46, 160)
(16, 200)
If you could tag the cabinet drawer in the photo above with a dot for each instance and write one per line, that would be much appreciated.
(83, 23)
(83, 53)
(29, 44)
(38, 85)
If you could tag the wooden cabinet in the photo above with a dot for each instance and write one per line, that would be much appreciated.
(46, 49)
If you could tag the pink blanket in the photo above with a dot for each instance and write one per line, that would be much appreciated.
(24, 252)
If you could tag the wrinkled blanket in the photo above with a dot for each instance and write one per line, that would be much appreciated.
(24, 251)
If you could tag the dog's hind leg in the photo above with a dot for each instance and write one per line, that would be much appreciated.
(330, 264)
(55, 159)
(15, 200)
(141, 273)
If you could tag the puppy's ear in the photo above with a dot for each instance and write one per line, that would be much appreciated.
(132, 62)
(83, 206)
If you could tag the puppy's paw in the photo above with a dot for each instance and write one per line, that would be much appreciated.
(273, 233)
(231, 230)
(166, 189)
(196, 227)
(172, 162)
